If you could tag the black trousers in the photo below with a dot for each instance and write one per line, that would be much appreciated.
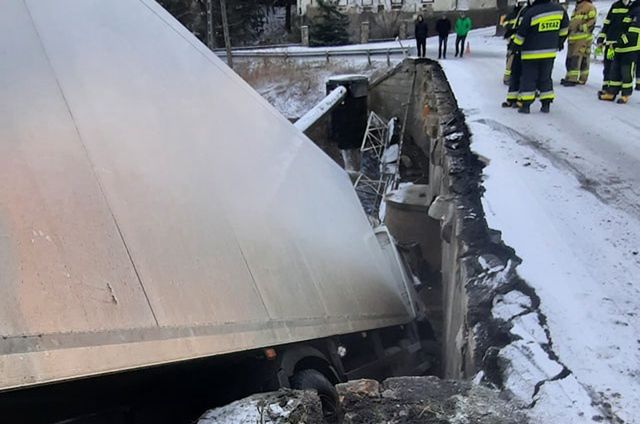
(622, 74)
(442, 46)
(606, 71)
(536, 78)
(460, 39)
(514, 80)
(422, 46)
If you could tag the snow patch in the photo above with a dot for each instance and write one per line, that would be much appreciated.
(509, 305)
(525, 364)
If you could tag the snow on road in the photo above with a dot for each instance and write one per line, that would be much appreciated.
(564, 189)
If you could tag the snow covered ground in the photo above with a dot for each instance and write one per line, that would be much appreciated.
(564, 189)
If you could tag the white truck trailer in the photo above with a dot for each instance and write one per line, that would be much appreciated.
(155, 209)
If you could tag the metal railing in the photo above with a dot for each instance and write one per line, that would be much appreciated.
(319, 52)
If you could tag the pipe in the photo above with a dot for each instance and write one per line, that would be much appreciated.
(325, 106)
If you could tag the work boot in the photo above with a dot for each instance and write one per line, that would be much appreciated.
(568, 83)
(607, 97)
(509, 103)
(546, 107)
(524, 108)
(623, 100)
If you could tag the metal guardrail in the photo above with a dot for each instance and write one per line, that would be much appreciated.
(318, 52)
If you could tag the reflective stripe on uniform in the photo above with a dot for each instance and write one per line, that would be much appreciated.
(625, 40)
(573, 73)
(620, 10)
(507, 72)
(579, 36)
(539, 54)
(518, 39)
(529, 95)
(512, 95)
(614, 83)
(547, 16)
(547, 95)
(627, 85)
(627, 49)
(563, 32)
(607, 21)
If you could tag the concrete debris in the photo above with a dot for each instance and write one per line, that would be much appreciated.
(282, 407)
(424, 400)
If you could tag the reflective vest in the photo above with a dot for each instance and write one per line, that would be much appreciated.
(543, 29)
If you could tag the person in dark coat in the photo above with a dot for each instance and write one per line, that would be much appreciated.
(421, 31)
(443, 27)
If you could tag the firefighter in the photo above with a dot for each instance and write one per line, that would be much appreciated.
(542, 32)
(581, 25)
(626, 51)
(634, 10)
(614, 24)
(516, 63)
(510, 26)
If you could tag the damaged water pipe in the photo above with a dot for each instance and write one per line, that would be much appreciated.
(320, 110)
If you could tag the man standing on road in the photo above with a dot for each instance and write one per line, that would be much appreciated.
(621, 73)
(634, 11)
(463, 26)
(541, 34)
(583, 21)
(443, 26)
(510, 25)
(614, 24)
(421, 32)
(516, 61)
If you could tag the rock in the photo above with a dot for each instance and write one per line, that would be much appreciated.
(416, 389)
(282, 407)
(358, 389)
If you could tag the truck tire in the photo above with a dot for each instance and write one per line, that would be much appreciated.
(315, 380)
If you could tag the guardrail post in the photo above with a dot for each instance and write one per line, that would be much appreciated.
(369, 56)
(364, 32)
(327, 56)
(388, 57)
(304, 34)
(402, 32)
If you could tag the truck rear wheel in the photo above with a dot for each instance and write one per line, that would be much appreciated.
(315, 380)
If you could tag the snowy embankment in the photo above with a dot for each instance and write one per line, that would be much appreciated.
(564, 189)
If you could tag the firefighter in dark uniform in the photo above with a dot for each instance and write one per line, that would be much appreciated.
(634, 11)
(516, 63)
(510, 26)
(614, 24)
(542, 32)
(626, 51)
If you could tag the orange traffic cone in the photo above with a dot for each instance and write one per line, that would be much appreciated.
(468, 50)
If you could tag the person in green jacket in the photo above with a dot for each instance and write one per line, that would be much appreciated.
(462, 28)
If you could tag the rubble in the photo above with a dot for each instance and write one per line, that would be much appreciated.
(427, 400)
(398, 400)
(282, 407)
